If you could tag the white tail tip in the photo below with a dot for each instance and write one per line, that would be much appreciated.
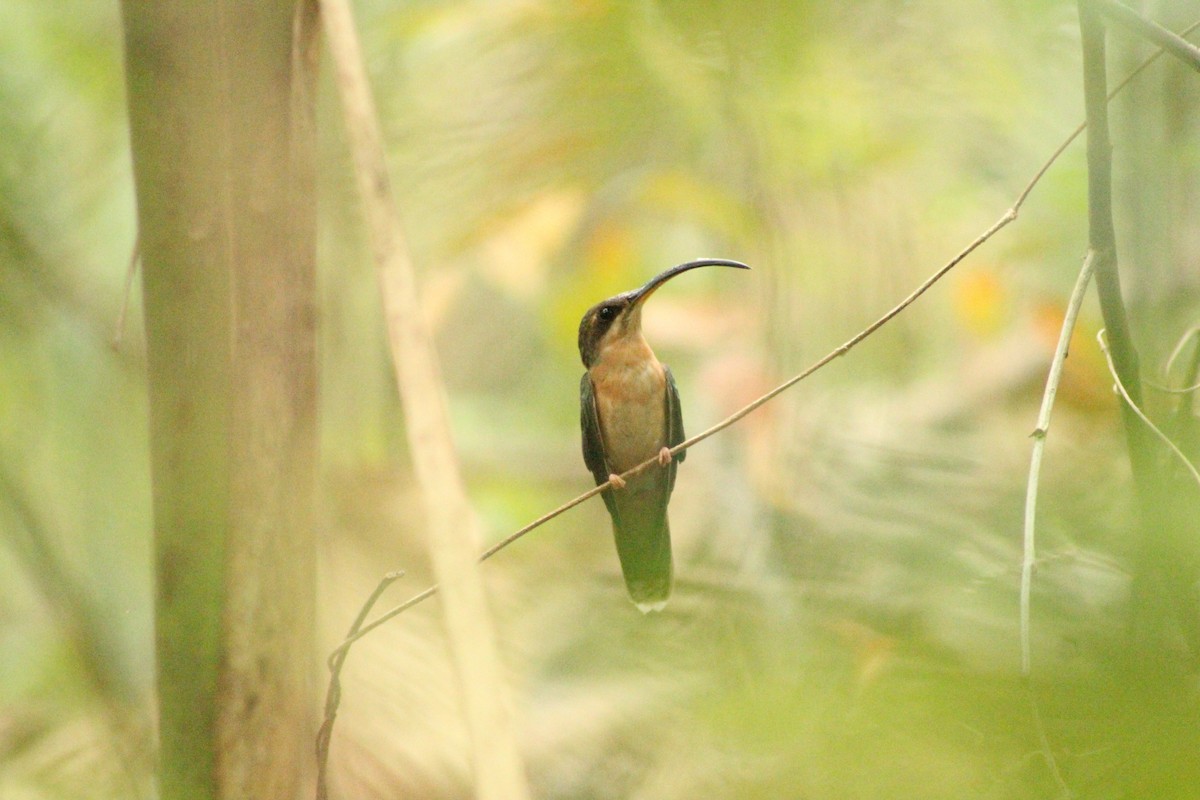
(646, 608)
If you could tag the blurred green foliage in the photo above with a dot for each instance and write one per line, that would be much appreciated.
(846, 617)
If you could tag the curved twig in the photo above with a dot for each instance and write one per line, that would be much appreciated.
(1100, 337)
(1039, 447)
(333, 695)
(1182, 343)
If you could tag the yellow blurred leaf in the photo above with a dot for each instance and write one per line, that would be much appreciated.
(517, 256)
(980, 302)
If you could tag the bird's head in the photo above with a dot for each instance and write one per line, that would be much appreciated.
(620, 317)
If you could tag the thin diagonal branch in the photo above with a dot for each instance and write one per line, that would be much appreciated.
(491, 551)
(1009, 216)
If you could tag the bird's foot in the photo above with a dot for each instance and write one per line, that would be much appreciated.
(617, 481)
(664, 457)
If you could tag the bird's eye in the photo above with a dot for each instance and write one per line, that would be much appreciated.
(607, 313)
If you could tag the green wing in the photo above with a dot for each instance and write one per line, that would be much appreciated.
(593, 444)
(675, 433)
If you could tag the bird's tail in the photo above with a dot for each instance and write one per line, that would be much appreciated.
(644, 547)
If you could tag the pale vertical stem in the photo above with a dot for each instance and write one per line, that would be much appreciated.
(1039, 445)
(453, 532)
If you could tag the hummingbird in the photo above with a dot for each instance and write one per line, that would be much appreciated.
(629, 412)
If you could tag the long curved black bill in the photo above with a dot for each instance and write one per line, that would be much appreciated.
(641, 294)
